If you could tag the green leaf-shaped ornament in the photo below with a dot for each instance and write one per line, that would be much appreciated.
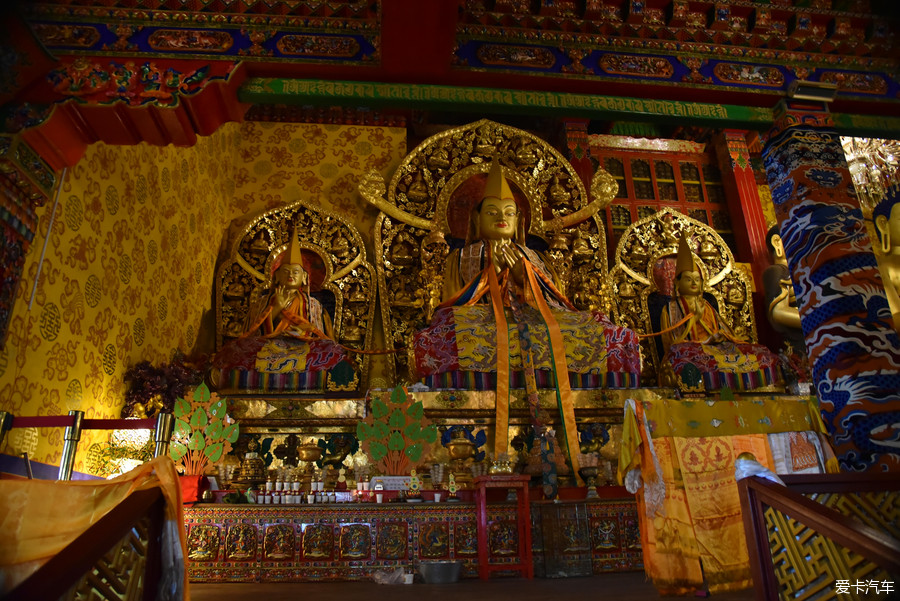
(398, 420)
(413, 431)
(214, 430)
(414, 451)
(231, 433)
(197, 442)
(378, 451)
(381, 430)
(199, 419)
(217, 408)
(214, 451)
(379, 408)
(182, 430)
(396, 442)
(182, 408)
(415, 411)
(430, 434)
(398, 395)
(363, 431)
(201, 394)
(177, 450)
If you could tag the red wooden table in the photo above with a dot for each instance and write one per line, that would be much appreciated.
(524, 562)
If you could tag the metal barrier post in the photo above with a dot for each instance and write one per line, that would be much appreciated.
(165, 424)
(6, 420)
(72, 436)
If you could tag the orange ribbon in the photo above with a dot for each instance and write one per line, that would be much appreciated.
(501, 410)
(564, 399)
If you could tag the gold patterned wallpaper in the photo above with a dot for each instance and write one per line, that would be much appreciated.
(128, 271)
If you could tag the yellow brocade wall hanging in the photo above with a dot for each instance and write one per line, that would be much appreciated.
(128, 272)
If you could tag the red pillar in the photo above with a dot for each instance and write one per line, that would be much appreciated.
(577, 149)
(739, 183)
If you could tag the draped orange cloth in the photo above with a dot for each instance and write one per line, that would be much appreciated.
(38, 518)
(701, 523)
(700, 326)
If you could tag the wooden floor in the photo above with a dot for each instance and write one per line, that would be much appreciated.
(627, 586)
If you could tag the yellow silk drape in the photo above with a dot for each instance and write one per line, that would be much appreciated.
(38, 518)
(692, 453)
(701, 523)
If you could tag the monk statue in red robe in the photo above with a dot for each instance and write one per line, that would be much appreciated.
(495, 285)
(289, 335)
(693, 333)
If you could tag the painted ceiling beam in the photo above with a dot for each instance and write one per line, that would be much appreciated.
(259, 90)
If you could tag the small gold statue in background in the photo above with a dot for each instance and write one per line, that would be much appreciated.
(887, 224)
(781, 302)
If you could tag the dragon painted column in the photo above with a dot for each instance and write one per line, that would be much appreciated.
(853, 348)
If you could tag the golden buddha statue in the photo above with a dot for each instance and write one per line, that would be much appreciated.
(340, 246)
(781, 302)
(707, 250)
(887, 223)
(626, 289)
(581, 250)
(260, 244)
(525, 152)
(496, 283)
(403, 249)
(667, 233)
(559, 196)
(441, 157)
(352, 331)
(417, 191)
(694, 333)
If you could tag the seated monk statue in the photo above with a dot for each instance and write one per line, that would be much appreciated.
(497, 284)
(781, 302)
(289, 333)
(693, 333)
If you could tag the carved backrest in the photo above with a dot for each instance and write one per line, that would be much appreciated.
(333, 254)
(643, 275)
(426, 207)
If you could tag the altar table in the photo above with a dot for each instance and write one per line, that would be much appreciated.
(352, 541)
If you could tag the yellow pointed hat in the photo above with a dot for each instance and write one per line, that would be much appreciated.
(685, 259)
(497, 186)
(294, 255)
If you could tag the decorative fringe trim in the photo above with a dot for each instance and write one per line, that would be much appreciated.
(254, 381)
(479, 380)
(739, 382)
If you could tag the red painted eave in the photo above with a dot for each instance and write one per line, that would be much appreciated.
(63, 138)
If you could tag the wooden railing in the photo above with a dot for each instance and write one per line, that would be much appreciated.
(822, 536)
(118, 558)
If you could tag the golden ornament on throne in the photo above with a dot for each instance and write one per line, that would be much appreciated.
(497, 218)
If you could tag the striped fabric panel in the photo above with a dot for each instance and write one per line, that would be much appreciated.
(476, 380)
(254, 381)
